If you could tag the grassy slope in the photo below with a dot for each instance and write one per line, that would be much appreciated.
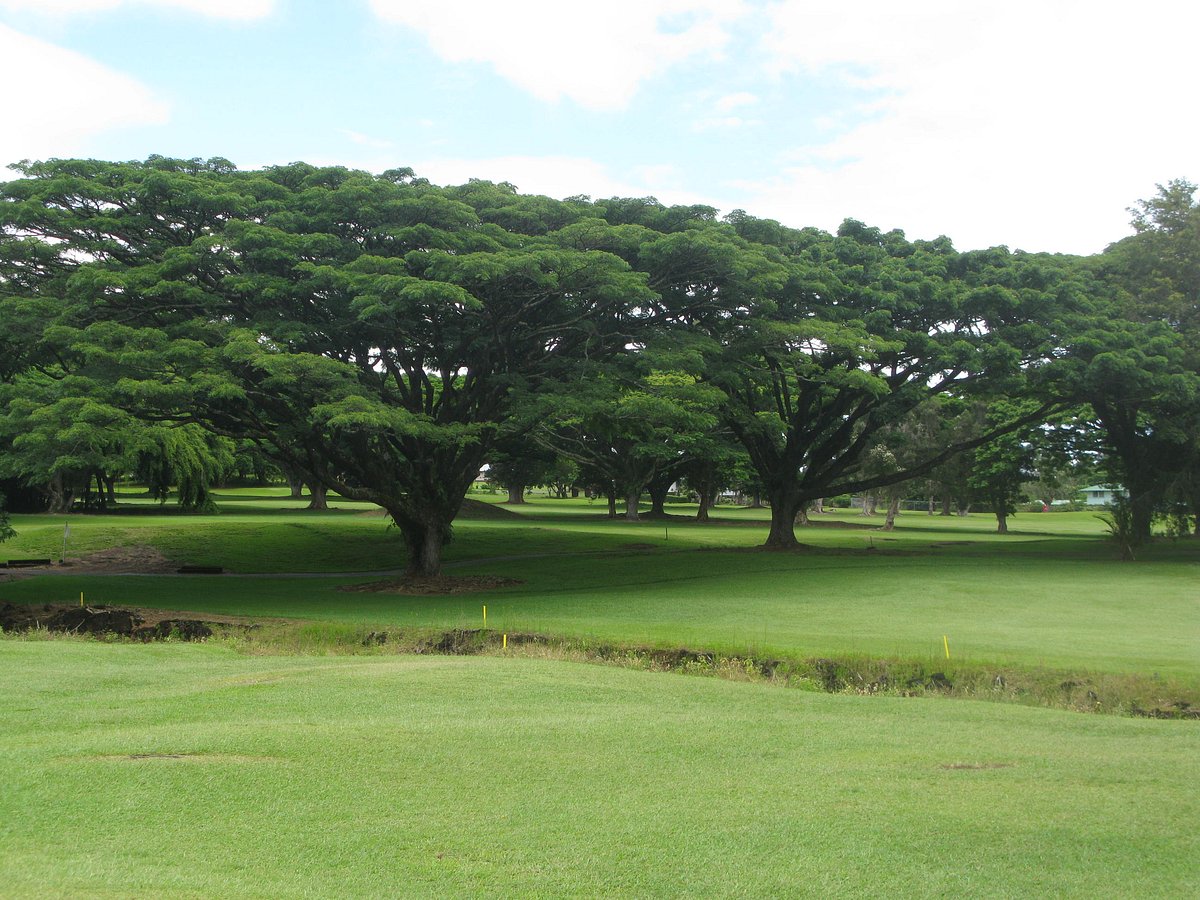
(1051, 595)
(388, 776)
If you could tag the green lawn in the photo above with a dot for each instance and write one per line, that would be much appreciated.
(182, 770)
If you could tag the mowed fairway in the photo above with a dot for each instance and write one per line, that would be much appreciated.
(186, 770)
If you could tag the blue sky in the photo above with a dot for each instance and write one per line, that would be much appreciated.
(1030, 124)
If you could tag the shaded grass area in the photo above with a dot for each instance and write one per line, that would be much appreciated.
(193, 770)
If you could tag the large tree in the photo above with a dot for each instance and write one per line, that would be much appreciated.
(821, 342)
(375, 329)
(1137, 355)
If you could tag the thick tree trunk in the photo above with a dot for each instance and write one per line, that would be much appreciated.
(784, 507)
(658, 497)
(818, 506)
(889, 521)
(702, 511)
(1002, 518)
(516, 494)
(756, 503)
(802, 515)
(58, 496)
(870, 501)
(110, 488)
(317, 494)
(425, 551)
(574, 491)
(946, 505)
(964, 509)
(424, 540)
(295, 486)
(632, 497)
(611, 493)
(932, 505)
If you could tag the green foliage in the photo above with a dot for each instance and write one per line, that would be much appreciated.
(6, 530)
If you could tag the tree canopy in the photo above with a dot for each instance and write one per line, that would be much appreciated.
(386, 337)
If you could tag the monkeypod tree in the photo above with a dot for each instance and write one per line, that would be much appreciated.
(1138, 357)
(1000, 468)
(825, 341)
(629, 429)
(374, 329)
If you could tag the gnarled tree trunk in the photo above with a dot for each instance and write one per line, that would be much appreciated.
(632, 497)
(785, 504)
(318, 496)
(889, 521)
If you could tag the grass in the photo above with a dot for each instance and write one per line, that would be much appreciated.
(1052, 596)
(181, 770)
(295, 761)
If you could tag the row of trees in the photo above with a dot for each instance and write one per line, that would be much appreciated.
(385, 337)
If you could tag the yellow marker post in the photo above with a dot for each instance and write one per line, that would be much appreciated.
(485, 615)
(505, 647)
(946, 643)
(81, 599)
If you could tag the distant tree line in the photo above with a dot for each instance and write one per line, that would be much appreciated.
(384, 337)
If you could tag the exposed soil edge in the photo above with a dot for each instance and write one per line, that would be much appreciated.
(1130, 695)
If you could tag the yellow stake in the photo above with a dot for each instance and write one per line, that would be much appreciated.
(81, 599)
(505, 647)
(485, 615)
(947, 643)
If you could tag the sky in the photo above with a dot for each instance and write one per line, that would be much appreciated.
(1033, 125)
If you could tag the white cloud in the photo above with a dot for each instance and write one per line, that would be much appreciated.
(560, 176)
(730, 102)
(222, 9)
(365, 140)
(718, 122)
(54, 100)
(1027, 123)
(553, 176)
(594, 54)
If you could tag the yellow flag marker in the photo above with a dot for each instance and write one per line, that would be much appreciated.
(947, 644)
(81, 599)
(505, 647)
(485, 615)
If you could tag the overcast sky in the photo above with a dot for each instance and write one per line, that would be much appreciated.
(1030, 124)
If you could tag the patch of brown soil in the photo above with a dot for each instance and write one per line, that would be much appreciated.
(138, 559)
(977, 766)
(440, 584)
(139, 624)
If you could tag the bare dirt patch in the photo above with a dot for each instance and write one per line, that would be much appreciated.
(186, 757)
(440, 584)
(977, 766)
(139, 559)
(135, 623)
